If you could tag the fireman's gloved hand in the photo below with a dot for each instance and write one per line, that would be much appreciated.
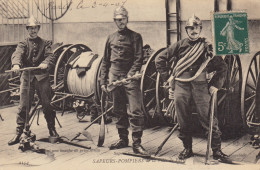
(212, 90)
(16, 68)
(170, 80)
(104, 88)
(43, 66)
(171, 94)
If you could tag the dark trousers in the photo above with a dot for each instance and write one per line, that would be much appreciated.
(198, 92)
(129, 93)
(44, 92)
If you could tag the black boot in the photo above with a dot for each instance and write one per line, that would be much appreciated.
(123, 141)
(137, 147)
(53, 132)
(187, 152)
(15, 139)
(50, 119)
(219, 155)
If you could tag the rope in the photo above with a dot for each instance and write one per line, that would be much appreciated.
(190, 61)
(185, 62)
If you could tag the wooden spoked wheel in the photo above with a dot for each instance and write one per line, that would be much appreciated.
(229, 96)
(66, 55)
(250, 99)
(97, 91)
(148, 87)
(60, 72)
(57, 52)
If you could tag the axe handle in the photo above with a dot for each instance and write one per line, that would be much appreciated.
(101, 137)
(98, 117)
(78, 134)
(75, 144)
(211, 118)
(166, 139)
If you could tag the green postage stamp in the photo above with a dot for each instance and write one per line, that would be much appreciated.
(230, 33)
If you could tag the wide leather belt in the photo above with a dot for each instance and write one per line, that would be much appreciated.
(120, 68)
(186, 75)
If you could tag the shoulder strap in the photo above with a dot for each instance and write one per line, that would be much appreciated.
(188, 59)
(202, 67)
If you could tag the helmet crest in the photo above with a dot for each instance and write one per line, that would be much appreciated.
(32, 22)
(120, 12)
(193, 21)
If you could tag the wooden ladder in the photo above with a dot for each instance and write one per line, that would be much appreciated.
(172, 31)
(228, 7)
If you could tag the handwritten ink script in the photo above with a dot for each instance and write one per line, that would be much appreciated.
(53, 6)
(98, 3)
(83, 4)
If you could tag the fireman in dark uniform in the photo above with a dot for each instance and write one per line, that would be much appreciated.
(198, 90)
(123, 57)
(34, 52)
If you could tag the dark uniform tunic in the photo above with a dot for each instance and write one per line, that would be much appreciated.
(196, 90)
(124, 56)
(31, 53)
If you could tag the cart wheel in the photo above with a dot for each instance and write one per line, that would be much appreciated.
(97, 90)
(57, 52)
(60, 71)
(229, 97)
(250, 99)
(148, 87)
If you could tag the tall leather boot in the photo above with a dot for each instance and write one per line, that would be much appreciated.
(187, 151)
(219, 155)
(53, 132)
(16, 138)
(51, 127)
(123, 139)
(137, 147)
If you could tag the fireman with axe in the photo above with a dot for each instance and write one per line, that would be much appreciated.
(192, 58)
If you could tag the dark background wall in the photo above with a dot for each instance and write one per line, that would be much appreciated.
(5, 60)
